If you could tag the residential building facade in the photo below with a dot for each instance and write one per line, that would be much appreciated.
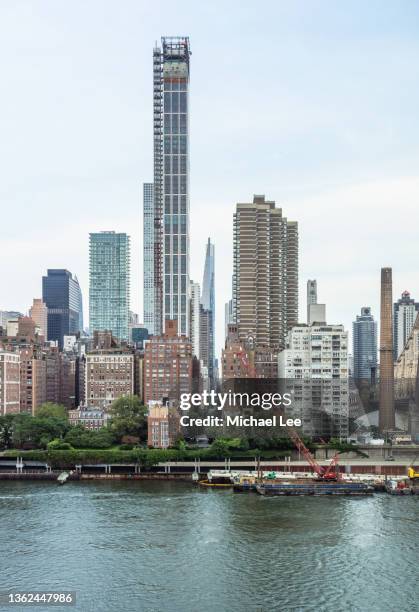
(167, 365)
(109, 287)
(9, 382)
(265, 279)
(405, 311)
(314, 366)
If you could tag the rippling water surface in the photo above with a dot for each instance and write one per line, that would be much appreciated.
(170, 547)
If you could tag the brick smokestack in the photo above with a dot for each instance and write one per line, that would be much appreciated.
(386, 412)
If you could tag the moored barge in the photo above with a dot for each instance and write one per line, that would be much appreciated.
(314, 487)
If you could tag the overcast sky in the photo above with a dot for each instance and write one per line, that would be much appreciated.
(314, 103)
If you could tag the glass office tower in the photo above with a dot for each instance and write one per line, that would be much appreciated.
(171, 183)
(109, 291)
(62, 295)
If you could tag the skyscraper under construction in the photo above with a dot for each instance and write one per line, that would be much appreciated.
(265, 279)
(169, 256)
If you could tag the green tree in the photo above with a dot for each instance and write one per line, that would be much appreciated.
(128, 418)
(6, 430)
(49, 409)
(79, 437)
(221, 447)
(37, 432)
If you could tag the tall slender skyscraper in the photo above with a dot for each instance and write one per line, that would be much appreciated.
(109, 296)
(265, 280)
(194, 317)
(405, 311)
(208, 305)
(62, 295)
(386, 411)
(148, 257)
(364, 338)
(171, 183)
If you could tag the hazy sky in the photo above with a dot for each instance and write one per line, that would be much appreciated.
(314, 103)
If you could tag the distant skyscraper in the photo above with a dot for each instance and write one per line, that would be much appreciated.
(228, 316)
(265, 282)
(195, 307)
(62, 295)
(171, 183)
(405, 311)
(208, 305)
(109, 296)
(311, 296)
(148, 257)
(39, 313)
(364, 338)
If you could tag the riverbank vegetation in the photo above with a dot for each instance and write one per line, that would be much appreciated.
(49, 437)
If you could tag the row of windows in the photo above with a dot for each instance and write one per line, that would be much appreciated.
(175, 224)
(171, 264)
(175, 204)
(175, 145)
(175, 164)
(175, 184)
(172, 244)
(175, 124)
(177, 84)
(175, 102)
(175, 283)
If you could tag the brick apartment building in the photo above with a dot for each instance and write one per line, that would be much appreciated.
(167, 365)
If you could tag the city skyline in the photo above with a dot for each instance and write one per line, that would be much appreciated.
(334, 191)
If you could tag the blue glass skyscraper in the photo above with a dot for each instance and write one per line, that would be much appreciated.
(62, 295)
(109, 289)
(364, 332)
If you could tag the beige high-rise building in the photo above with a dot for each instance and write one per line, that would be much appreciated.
(39, 313)
(265, 275)
(9, 383)
(109, 376)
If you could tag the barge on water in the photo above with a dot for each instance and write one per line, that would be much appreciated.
(313, 487)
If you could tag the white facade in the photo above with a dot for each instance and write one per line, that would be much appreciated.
(316, 313)
(317, 357)
(195, 300)
(9, 383)
(404, 317)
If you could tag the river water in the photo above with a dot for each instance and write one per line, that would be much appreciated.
(161, 546)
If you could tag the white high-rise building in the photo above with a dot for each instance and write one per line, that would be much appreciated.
(405, 311)
(194, 315)
(314, 365)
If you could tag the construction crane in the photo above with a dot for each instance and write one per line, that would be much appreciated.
(331, 472)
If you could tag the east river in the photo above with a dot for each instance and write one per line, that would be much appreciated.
(161, 546)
